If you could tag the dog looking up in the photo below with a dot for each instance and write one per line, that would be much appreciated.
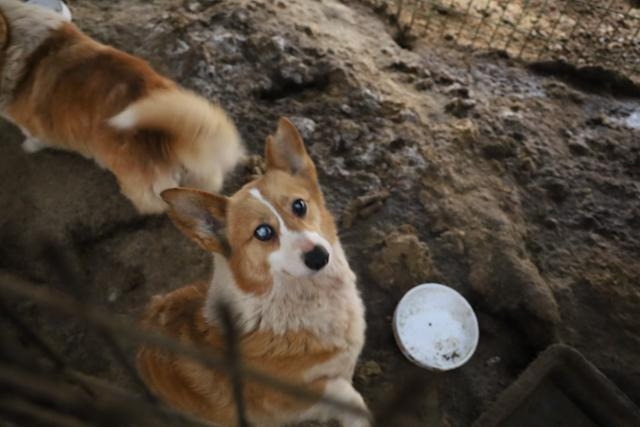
(66, 90)
(279, 265)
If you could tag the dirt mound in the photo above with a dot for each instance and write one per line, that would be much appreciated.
(516, 189)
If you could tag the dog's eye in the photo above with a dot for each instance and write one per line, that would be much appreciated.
(264, 232)
(299, 207)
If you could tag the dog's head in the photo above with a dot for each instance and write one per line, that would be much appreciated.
(276, 225)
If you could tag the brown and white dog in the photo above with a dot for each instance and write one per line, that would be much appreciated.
(65, 90)
(279, 263)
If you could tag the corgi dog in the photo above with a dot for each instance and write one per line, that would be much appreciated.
(66, 90)
(279, 265)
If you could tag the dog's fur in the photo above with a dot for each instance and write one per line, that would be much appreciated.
(65, 90)
(295, 323)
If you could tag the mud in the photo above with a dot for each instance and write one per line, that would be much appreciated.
(519, 190)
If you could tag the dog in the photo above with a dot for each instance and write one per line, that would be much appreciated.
(279, 264)
(68, 91)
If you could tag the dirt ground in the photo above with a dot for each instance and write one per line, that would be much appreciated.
(521, 191)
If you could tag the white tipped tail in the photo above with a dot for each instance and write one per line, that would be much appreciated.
(205, 140)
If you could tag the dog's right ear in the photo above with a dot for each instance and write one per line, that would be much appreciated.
(200, 216)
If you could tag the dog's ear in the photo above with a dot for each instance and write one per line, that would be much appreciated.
(200, 216)
(285, 151)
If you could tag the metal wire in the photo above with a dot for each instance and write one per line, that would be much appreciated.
(535, 38)
(99, 318)
(533, 28)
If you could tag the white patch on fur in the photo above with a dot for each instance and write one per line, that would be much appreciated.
(32, 145)
(289, 258)
(257, 195)
(124, 120)
(327, 305)
(29, 27)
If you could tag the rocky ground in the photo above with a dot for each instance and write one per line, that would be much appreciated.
(520, 191)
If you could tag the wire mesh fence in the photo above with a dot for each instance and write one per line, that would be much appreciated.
(602, 32)
(38, 387)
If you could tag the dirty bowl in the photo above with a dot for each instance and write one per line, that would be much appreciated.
(435, 327)
(55, 5)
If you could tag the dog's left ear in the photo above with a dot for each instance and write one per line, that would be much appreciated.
(285, 151)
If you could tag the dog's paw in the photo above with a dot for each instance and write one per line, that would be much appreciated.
(32, 145)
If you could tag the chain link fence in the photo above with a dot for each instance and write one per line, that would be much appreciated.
(602, 32)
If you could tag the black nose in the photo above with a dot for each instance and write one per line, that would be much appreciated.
(316, 258)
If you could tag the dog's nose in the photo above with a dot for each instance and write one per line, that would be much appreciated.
(316, 258)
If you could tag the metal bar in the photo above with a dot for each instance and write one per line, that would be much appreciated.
(400, 4)
(109, 401)
(597, 27)
(484, 18)
(58, 363)
(625, 15)
(416, 8)
(98, 317)
(63, 266)
(554, 25)
(32, 336)
(532, 29)
(234, 360)
(498, 25)
(444, 26)
(464, 19)
(428, 18)
(14, 407)
(516, 25)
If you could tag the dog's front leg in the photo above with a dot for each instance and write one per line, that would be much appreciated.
(342, 390)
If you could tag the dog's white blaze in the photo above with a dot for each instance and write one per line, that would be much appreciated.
(258, 196)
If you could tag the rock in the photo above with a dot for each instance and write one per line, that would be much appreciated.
(408, 116)
(346, 109)
(497, 149)
(550, 223)
(349, 130)
(369, 100)
(403, 262)
(460, 107)
(493, 361)
(600, 120)
(458, 90)
(424, 84)
(579, 148)
(305, 125)
(368, 370)
(452, 242)
(508, 282)
(557, 189)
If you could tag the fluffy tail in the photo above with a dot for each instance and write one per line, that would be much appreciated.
(206, 142)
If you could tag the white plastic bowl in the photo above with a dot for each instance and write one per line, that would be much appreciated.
(55, 5)
(435, 327)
